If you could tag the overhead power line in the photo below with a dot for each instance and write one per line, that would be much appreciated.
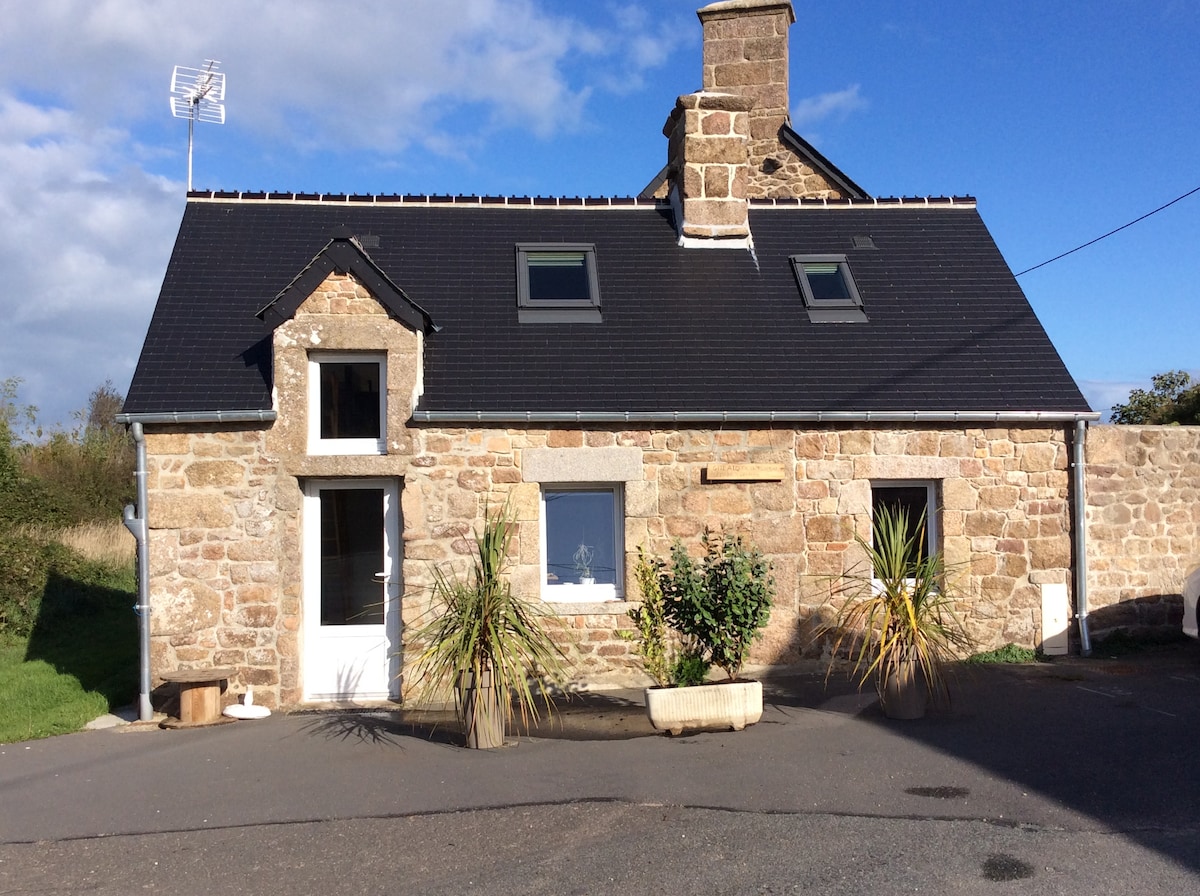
(1111, 232)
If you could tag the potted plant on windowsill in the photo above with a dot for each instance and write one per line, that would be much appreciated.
(583, 557)
(487, 643)
(697, 613)
(896, 620)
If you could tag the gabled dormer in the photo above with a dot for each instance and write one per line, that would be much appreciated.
(347, 355)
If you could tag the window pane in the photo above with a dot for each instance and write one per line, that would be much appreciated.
(913, 502)
(350, 400)
(580, 533)
(826, 282)
(351, 555)
(558, 276)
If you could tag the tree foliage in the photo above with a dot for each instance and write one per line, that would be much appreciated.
(1171, 398)
(62, 477)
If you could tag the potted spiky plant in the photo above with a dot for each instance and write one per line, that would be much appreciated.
(488, 643)
(897, 621)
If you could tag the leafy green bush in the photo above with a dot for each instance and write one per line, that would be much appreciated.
(63, 477)
(22, 499)
(81, 476)
(36, 583)
(720, 602)
(26, 565)
(1172, 398)
(689, 669)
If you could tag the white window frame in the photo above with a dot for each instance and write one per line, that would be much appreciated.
(573, 592)
(318, 445)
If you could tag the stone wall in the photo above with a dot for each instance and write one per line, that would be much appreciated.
(222, 591)
(1143, 524)
(225, 526)
(1004, 519)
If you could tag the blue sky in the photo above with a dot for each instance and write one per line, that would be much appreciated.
(1065, 119)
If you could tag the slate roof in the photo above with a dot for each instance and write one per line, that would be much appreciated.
(684, 330)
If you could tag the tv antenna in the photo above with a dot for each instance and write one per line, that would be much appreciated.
(198, 94)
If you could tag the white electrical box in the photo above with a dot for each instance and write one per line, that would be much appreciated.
(1056, 617)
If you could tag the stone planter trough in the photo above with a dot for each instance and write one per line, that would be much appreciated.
(723, 704)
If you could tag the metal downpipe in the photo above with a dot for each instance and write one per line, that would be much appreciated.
(1079, 470)
(135, 522)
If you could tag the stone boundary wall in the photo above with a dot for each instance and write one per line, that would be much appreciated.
(1143, 524)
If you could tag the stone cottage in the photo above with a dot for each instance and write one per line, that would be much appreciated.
(333, 388)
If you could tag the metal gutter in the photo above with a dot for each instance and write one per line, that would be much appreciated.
(1079, 470)
(753, 416)
(135, 522)
(251, 416)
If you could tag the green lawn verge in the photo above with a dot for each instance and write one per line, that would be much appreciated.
(77, 656)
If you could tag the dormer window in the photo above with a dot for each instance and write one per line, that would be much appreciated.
(347, 403)
(828, 288)
(556, 283)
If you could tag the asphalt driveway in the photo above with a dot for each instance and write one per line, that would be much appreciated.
(1077, 776)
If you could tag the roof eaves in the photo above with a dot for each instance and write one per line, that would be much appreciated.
(778, 416)
(250, 415)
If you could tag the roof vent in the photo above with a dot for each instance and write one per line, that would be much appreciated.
(864, 242)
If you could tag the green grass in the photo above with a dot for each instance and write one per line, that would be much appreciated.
(1009, 653)
(79, 659)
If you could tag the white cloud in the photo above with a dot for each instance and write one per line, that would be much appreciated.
(372, 73)
(838, 104)
(82, 246)
(86, 226)
(1103, 394)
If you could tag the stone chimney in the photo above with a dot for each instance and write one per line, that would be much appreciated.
(732, 141)
(720, 138)
(707, 137)
(746, 52)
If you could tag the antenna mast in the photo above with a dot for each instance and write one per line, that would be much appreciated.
(198, 94)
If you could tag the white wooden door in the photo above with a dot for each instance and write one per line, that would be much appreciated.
(352, 588)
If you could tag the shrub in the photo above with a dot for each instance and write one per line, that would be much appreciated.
(653, 635)
(720, 602)
(689, 669)
(36, 585)
(1009, 653)
(58, 477)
